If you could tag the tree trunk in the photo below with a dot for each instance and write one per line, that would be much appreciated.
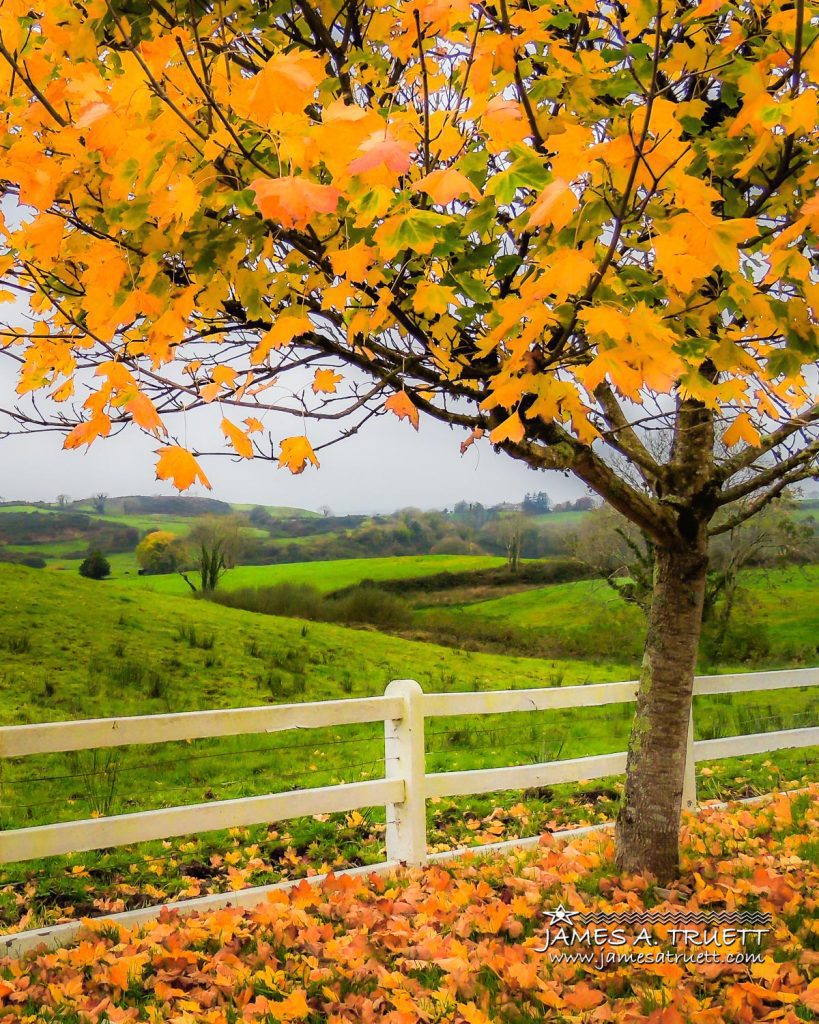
(649, 819)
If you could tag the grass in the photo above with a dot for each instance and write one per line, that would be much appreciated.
(332, 575)
(777, 618)
(72, 648)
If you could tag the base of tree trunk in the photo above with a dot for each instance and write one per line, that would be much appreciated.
(648, 824)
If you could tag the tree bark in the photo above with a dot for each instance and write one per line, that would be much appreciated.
(649, 819)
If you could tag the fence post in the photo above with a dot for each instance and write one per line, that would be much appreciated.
(689, 797)
(404, 755)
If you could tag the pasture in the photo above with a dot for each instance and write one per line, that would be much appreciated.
(72, 648)
(332, 575)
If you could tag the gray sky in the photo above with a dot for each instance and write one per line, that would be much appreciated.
(387, 466)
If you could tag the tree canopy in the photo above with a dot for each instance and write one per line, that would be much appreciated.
(554, 224)
(584, 230)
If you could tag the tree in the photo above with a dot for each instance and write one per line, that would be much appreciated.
(99, 501)
(537, 504)
(215, 545)
(161, 552)
(95, 566)
(558, 228)
(616, 550)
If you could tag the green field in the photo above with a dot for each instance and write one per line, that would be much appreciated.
(330, 576)
(588, 616)
(74, 648)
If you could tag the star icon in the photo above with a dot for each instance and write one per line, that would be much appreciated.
(561, 915)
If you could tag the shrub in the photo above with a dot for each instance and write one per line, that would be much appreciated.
(160, 552)
(96, 566)
(364, 604)
(33, 561)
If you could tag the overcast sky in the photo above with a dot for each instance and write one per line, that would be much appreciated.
(387, 466)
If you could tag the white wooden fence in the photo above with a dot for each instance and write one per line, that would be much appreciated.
(404, 709)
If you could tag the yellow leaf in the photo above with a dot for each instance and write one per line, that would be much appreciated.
(295, 453)
(401, 404)
(472, 1015)
(283, 331)
(180, 467)
(238, 438)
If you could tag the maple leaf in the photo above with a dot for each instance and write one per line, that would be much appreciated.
(325, 381)
(286, 83)
(583, 997)
(293, 201)
(295, 453)
(511, 429)
(554, 206)
(810, 997)
(238, 439)
(742, 429)
(179, 466)
(87, 432)
(283, 331)
(383, 150)
(401, 404)
(353, 262)
(144, 414)
(446, 184)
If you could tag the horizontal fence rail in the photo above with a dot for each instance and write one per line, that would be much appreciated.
(406, 785)
(93, 733)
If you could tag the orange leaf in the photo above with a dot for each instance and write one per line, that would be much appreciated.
(238, 438)
(144, 414)
(286, 83)
(810, 997)
(180, 467)
(86, 433)
(295, 453)
(554, 206)
(294, 201)
(380, 149)
(325, 381)
(401, 404)
(510, 430)
(583, 997)
(742, 429)
(474, 436)
(446, 184)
